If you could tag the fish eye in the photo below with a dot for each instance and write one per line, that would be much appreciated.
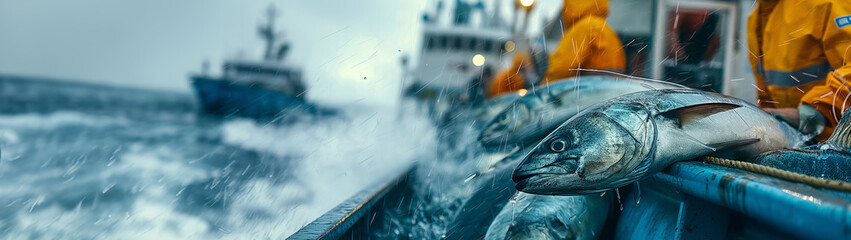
(505, 119)
(558, 145)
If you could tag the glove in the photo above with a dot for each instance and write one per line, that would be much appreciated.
(810, 120)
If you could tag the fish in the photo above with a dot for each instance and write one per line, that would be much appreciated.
(489, 161)
(532, 216)
(828, 160)
(531, 117)
(494, 106)
(628, 138)
(494, 190)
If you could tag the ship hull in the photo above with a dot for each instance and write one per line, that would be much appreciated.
(224, 98)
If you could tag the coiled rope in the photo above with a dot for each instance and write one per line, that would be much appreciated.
(780, 173)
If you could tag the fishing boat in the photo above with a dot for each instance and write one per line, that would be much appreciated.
(688, 200)
(459, 48)
(254, 88)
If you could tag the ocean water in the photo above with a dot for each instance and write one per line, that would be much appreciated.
(84, 161)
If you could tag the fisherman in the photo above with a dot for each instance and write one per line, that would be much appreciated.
(800, 52)
(589, 43)
(508, 80)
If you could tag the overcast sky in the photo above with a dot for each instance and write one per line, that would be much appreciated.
(158, 43)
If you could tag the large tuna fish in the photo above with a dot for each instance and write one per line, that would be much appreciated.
(495, 105)
(830, 160)
(534, 115)
(494, 190)
(623, 140)
(551, 217)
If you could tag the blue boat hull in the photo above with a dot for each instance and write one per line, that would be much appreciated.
(224, 98)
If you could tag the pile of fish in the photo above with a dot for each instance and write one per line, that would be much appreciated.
(576, 139)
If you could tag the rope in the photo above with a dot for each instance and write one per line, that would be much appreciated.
(780, 173)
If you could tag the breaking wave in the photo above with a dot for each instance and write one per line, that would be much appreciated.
(149, 167)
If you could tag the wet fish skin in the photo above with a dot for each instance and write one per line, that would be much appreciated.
(813, 161)
(623, 140)
(494, 190)
(830, 160)
(507, 161)
(534, 115)
(494, 106)
(551, 217)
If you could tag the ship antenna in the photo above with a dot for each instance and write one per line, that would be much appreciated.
(267, 32)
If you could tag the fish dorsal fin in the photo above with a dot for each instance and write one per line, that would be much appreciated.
(692, 113)
(841, 136)
(733, 143)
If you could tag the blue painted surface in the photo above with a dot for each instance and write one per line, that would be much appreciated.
(226, 98)
(656, 212)
(796, 209)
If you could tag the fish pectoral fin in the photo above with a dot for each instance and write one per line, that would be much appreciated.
(693, 113)
(733, 144)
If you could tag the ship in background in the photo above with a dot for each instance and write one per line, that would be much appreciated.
(254, 88)
(459, 49)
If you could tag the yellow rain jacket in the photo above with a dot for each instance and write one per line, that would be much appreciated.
(588, 43)
(510, 80)
(799, 51)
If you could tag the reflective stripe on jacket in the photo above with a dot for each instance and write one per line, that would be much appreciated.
(798, 52)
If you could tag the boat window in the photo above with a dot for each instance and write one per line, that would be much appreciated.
(693, 44)
(443, 42)
(457, 43)
(430, 42)
(473, 44)
(248, 69)
(487, 46)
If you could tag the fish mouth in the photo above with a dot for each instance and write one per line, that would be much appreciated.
(523, 181)
(531, 179)
(547, 164)
(520, 177)
(523, 177)
(522, 174)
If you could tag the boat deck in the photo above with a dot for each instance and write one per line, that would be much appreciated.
(689, 200)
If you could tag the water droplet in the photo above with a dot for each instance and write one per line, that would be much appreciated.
(618, 192)
(637, 194)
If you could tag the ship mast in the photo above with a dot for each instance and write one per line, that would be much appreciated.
(267, 33)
